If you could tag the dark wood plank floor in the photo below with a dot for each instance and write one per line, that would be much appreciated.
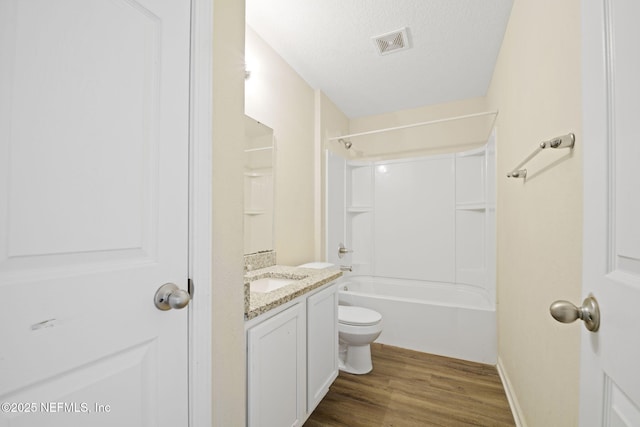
(408, 388)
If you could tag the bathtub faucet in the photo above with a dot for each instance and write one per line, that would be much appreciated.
(346, 268)
(342, 250)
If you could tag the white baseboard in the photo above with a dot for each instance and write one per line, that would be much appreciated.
(511, 397)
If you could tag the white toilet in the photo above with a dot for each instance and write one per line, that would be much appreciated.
(358, 327)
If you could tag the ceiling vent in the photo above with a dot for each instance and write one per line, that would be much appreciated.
(394, 41)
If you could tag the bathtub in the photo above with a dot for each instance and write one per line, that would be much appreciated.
(452, 320)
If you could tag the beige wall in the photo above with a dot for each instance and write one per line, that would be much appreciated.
(227, 293)
(278, 97)
(536, 87)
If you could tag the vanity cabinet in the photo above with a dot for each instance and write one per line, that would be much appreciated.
(292, 359)
(276, 369)
(322, 344)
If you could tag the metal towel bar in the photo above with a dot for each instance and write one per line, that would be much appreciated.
(564, 141)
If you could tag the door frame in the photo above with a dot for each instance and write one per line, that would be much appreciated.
(200, 211)
(594, 106)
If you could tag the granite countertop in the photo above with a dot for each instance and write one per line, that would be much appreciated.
(256, 303)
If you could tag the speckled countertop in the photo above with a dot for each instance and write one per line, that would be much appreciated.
(256, 303)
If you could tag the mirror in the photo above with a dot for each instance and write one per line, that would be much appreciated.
(259, 167)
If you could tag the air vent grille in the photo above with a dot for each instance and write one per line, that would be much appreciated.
(392, 42)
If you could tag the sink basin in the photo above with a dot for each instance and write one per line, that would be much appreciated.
(268, 284)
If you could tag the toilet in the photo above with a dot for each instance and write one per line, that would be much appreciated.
(358, 327)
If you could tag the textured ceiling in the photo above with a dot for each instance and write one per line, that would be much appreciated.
(454, 46)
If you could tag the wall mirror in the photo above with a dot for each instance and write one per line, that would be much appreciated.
(259, 171)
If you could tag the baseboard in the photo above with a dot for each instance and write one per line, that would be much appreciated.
(511, 397)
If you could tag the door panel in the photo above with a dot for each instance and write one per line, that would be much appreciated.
(94, 112)
(65, 400)
(88, 133)
(322, 344)
(276, 354)
(610, 389)
(622, 412)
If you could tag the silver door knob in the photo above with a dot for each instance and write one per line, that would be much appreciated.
(589, 312)
(169, 296)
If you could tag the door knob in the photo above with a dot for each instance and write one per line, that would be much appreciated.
(169, 296)
(589, 312)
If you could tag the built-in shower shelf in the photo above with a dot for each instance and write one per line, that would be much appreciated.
(359, 209)
(471, 206)
(257, 149)
(359, 164)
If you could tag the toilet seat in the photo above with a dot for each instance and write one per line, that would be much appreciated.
(357, 316)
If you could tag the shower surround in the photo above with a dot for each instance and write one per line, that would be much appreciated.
(422, 232)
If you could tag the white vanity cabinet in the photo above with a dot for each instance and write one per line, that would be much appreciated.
(292, 359)
(322, 344)
(276, 368)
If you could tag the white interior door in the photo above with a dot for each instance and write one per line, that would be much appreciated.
(610, 371)
(94, 112)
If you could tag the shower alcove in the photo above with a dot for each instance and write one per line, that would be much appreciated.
(422, 234)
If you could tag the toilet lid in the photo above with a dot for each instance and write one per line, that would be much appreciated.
(350, 315)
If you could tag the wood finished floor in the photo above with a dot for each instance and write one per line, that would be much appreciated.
(408, 388)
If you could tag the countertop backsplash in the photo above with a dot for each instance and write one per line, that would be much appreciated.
(259, 260)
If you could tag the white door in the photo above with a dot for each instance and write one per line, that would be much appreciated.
(610, 370)
(94, 112)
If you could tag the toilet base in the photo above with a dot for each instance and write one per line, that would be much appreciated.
(355, 359)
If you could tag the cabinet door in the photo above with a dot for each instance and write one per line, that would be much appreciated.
(322, 344)
(276, 358)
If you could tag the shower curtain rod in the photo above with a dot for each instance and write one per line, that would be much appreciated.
(431, 122)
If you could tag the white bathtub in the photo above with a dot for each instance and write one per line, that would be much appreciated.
(440, 318)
